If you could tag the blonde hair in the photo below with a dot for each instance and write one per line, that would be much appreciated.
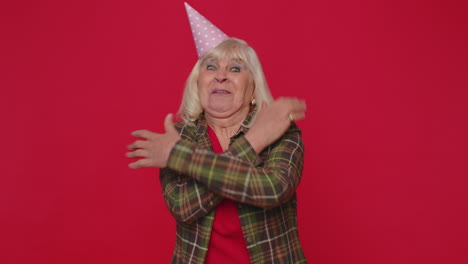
(191, 109)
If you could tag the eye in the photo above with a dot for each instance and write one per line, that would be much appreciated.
(210, 67)
(235, 69)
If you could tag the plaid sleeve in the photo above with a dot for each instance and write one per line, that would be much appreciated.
(240, 174)
(186, 199)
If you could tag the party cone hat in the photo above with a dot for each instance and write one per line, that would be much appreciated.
(205, 34)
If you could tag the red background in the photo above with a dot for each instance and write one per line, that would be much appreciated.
(386, 147)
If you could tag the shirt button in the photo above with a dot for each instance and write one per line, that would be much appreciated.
(210, 203)
(248, 240)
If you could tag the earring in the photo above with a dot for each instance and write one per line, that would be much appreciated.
(253, 102)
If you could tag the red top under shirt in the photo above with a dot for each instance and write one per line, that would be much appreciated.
(227, 243)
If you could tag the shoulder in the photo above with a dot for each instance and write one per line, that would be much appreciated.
(293, 133)
(186, 130)
(293, 128)
(289, 147)
(292, 138)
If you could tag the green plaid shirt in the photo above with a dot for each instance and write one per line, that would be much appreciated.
(263, 186)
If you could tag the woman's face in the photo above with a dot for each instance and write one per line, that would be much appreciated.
(225, 88)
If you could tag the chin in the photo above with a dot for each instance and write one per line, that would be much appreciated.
(222, 108)
(224, 111)
(219, 113)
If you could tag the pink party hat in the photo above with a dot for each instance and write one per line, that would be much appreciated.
(205, 34)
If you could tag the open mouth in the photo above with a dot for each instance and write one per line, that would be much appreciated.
(220, 91)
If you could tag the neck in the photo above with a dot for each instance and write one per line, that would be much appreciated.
(225, 128)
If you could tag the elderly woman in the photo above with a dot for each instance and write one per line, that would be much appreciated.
(231, 168)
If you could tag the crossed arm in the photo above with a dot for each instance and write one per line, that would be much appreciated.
(194, 180)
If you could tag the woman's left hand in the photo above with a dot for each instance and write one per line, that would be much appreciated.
(155, 150)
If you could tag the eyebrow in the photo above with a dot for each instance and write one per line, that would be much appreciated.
(237, 60)
(215, 60)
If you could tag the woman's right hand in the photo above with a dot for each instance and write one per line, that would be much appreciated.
(155, 149)
(273, 120)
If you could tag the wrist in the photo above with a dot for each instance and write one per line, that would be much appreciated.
(255, 141)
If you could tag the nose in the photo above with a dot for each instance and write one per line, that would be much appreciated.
(221, 76)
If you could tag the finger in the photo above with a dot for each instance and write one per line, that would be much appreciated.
(288, 103)
(290, 99)
(298, 116)
(139, 153)
(168, 124)
(138, 144)
(298, 111)
(140, 164)
(298, 105)
(263, 107)
(302, 104)
(146, 134)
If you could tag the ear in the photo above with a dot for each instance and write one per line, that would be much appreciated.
(253, 90)
(252, 101)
